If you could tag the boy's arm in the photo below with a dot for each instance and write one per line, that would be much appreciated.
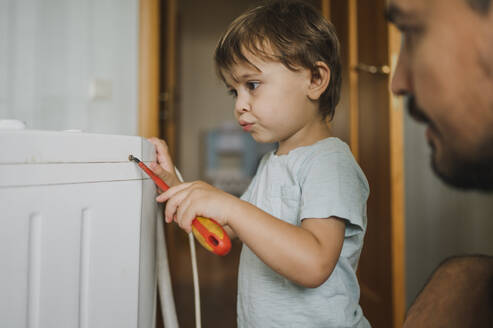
(305, 254)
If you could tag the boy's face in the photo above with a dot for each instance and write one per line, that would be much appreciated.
(272, 103)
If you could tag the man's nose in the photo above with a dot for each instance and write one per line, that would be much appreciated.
(401, 81)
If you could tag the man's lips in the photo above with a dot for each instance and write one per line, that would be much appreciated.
(418, 114)
(415, 111)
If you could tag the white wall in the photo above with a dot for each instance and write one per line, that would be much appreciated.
(52, 50)
(440, 221)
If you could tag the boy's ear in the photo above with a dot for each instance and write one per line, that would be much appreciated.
(319, 80)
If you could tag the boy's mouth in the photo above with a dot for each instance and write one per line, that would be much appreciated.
(246, 126)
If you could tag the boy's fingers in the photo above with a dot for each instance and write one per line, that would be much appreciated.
(170, 212)
(180, 219)
(187, 217)
(166, 219)
(162, 153)
(172, 191)
(176, 204)
(158, 143)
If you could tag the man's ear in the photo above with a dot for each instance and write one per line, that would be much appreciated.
(319, 80)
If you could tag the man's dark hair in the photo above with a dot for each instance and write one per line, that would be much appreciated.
(482, 6)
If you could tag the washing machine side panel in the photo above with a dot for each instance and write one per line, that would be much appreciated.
(15, 221)
(70, 255)
(148, 269)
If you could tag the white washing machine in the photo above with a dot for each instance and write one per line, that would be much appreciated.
(77, 231)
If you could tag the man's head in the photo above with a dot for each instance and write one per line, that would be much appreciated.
(445, 69)
(290, 32)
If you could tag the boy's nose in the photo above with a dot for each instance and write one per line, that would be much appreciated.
(242, 104)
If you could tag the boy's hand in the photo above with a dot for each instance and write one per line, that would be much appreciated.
(189, 200)
(163, 167)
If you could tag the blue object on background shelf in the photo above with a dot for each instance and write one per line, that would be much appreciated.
(232, 157)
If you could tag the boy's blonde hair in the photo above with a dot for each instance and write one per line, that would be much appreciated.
(297, 35)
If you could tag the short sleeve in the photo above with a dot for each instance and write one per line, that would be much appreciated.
(333, 184)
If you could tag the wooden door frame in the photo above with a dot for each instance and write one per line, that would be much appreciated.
(397, 191)
(325, 8)
(151, 76)
(353, 77)
(148, 66)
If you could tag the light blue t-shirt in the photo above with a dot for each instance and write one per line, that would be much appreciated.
(316, 181)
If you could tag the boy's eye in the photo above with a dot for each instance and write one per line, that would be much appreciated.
(232, 92)
(252, 85)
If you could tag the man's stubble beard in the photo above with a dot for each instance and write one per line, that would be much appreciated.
(456, 170)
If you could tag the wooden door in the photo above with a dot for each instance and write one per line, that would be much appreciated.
(370, 120)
